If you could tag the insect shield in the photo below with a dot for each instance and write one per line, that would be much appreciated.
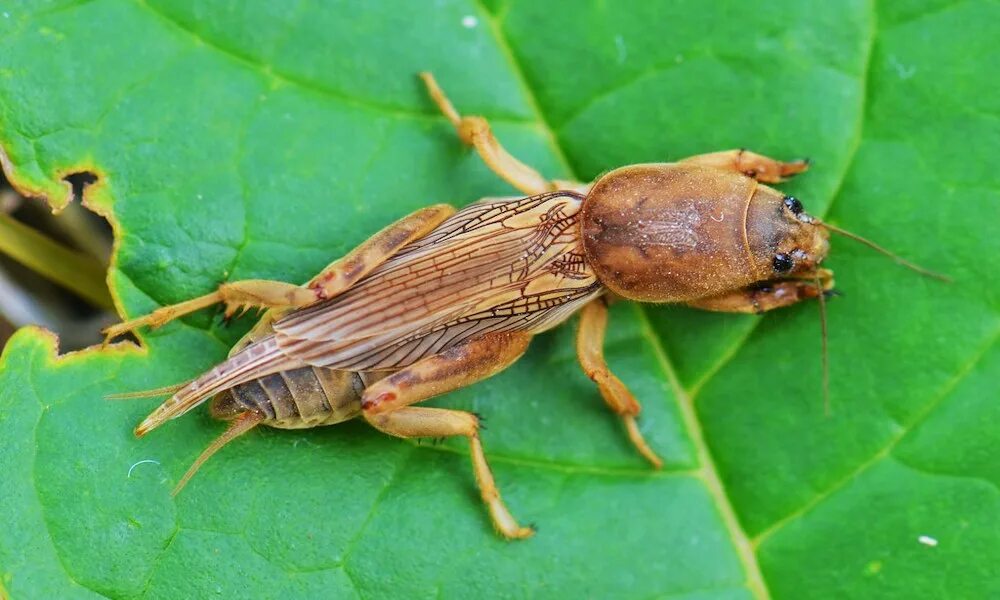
(676, 232)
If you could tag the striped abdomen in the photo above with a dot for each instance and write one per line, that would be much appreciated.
(295, 399)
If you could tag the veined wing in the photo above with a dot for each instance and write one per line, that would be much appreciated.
(508, 265)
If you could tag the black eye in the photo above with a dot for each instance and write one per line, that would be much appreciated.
(792, 203)
(782, 263)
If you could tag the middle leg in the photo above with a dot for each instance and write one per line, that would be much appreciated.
(590, 351)
(414, 421)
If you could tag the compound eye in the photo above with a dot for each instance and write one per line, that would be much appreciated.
(782, 263)
(792, 203)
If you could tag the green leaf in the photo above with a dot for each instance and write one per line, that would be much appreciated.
(264, 140)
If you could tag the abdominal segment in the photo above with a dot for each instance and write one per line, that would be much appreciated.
(297, 398)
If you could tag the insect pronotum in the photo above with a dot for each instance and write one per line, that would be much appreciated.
(442, 298)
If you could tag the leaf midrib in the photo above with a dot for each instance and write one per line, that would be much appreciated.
(707, 472)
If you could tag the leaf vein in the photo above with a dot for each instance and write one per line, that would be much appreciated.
(886, 450)
(566, 467)
(708, 472)
(34, 479)
(283, 78)
(353, 542)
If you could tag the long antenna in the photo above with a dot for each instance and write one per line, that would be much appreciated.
(882, 250)
(825, 354)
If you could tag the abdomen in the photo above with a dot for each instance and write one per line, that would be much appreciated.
(297, 398)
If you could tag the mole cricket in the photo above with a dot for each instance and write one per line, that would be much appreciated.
(442, 298)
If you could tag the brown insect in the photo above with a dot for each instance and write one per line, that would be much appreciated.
(442, 298)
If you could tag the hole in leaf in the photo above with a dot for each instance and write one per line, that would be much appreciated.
(53, 268)
(79, 181)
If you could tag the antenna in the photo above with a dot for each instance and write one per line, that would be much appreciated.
(821, 297)
(881, 250)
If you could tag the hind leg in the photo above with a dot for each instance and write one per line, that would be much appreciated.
(331, 281)
(414, 421)
(386, 406)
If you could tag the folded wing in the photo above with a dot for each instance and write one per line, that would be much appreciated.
(507, 265)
